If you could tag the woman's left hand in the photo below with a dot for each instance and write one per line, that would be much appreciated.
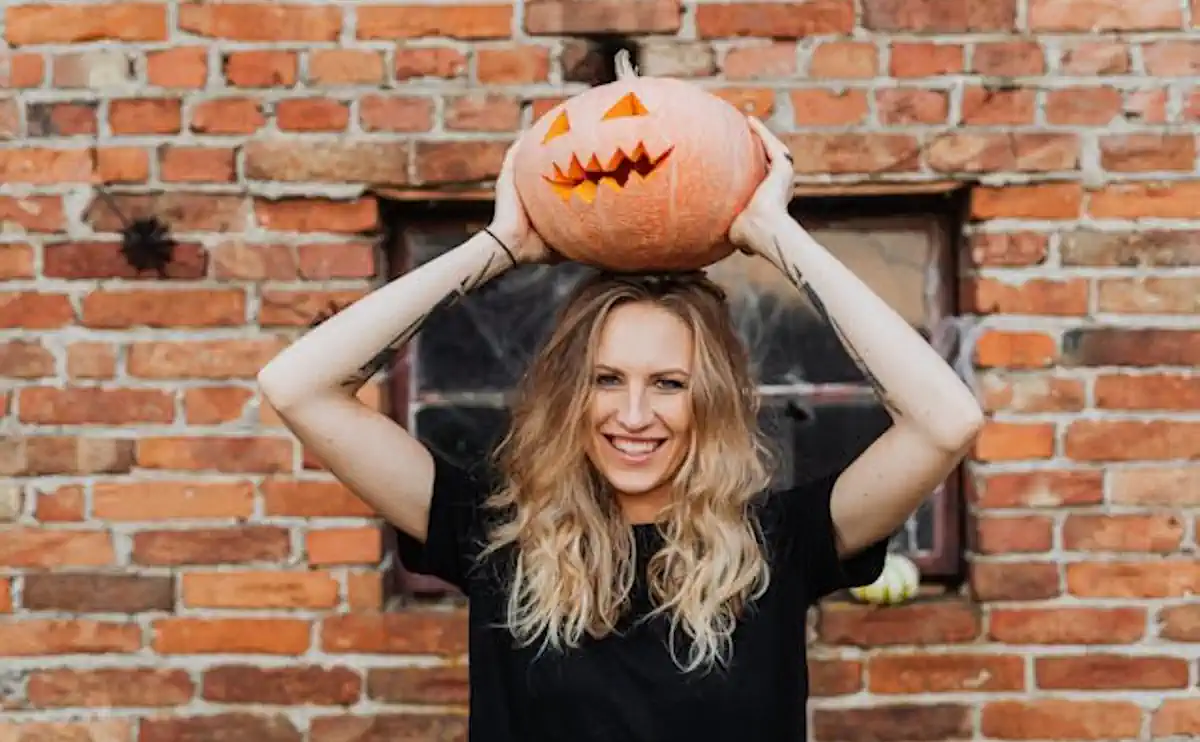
(771, 198)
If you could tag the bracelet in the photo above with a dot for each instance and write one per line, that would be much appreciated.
(503, 246)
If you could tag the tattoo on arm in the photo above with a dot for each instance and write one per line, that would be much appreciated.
(384, 358)
(794, 277)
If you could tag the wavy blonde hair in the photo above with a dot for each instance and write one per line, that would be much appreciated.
(574, 561)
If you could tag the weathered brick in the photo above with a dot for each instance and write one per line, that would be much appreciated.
(319, 686)
(238, 545)
(262, 636)
(939, 15)
(467, 22)
(948, 622)
(259, 589)
(96, 406)
(1061, 719)
(257, 21)
(408, 632)
(774, 20)
(916, 722)
(65, 24)
(267, 727)
(109, 688)
(292, 161)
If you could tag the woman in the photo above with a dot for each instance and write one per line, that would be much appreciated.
(629, 576)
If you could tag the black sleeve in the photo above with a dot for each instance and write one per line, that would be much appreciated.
(455, 534)
(808, 525)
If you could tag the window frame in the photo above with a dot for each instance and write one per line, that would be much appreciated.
(405, 211)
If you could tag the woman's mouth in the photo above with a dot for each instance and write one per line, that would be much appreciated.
(634, 450)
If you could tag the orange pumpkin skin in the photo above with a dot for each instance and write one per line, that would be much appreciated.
(579, 173)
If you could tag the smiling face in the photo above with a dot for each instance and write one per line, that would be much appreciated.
(640, 174)
(640, 413)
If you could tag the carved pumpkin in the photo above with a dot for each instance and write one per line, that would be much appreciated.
(644, 173)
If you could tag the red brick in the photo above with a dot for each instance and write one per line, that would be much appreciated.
(853, 152)
(246, 261)
(261, 69)
(62, 505)
(1176, 716)
(844, 60)
(35, 311)
(817, 107)
(924, 722)
(945, 673)
(776, 20)
(46, 166)
(110, 688)
(259, 589)
(410, 632)
(1103, 15)
(1008, 58)
(32, 213)
(1132, 440)
(1013, 535)
(482, 112)
(925, 59)
(998, 152)
(270, 636)
(993, 106)
(444, 686)
(1066, 625)
(318, 686)
(1005, 441)
(1180, 623)
(145, 116)
(224, 116)
(312, 114)
(396, 113)
(122, 165)
(50, 548)
(1164, 486)
(214, 405)
(1033, 296)
(939, 15)
(222, 454)
(514, 66)
(1061, 719)
(1147, 392)
(759, 102)
(1112, 346)
(169, 500)
(91, 361)
(1162, 578)
(1081, 105)
(201, 359)
(1032, 393)
(429, 61)
(25, 359)
(316, 215)
(759, 61)
(156, 308)
(56, 119)
(1095, 58)
(182, 211)
(95, 406)
(38, 455)
(1147, 152)
(25, 70)
(236, 545)
(827, 678)
(941, 622)
(1166, 200)
(51, 636)
(1110, 672)
(465, 22)
(66, 24)
(257, 21)
(1008, 248)
(330, 546)
(999, 348)
(312, 499)
(364, 591)
(345, 67)
(389, 726)
(180, 164)
(997, 581)
(84, 592)
(576, 17)
(439, 162)
(1050, 201)
(323, 261)
(1044, 488)
(181, 67)
(903, 106)
(286, 308)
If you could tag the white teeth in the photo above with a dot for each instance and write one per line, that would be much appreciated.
(634, 447)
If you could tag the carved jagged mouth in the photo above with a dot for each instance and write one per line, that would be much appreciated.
(584, 180)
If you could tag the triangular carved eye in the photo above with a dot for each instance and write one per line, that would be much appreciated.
(560, 126)
(627, 106)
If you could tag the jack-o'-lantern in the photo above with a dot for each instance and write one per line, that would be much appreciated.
(643, 173)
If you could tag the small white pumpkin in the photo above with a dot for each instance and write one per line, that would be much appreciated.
(899, 582)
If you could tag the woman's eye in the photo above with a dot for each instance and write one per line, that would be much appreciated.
(606, 379)
(671, 384)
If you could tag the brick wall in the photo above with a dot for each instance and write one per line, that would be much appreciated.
(172, 566)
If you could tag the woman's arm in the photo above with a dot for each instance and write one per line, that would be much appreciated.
(312, 383)
(935, 415)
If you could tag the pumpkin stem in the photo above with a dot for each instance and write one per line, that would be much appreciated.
(624, 65)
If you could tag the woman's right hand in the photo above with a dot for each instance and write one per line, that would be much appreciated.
(511, 224)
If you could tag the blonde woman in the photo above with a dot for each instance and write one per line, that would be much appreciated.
(630, 576)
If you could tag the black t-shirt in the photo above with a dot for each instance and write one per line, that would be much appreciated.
(627, 687)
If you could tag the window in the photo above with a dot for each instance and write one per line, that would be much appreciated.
(450, 387)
